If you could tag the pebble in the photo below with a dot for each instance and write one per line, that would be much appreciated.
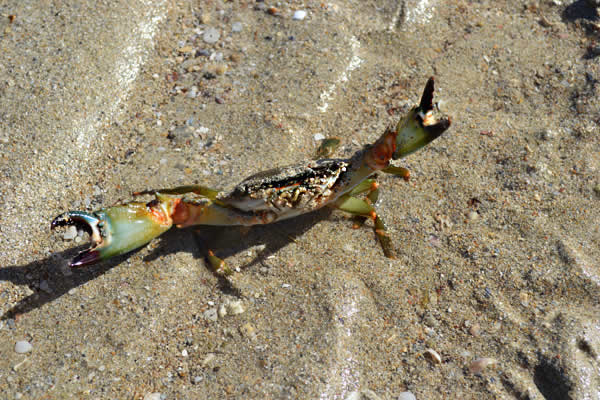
(299, 15)
(248, 331)
(597, 189)
(480, 364)
(319, 136)
(152, 396)
(70, 233)
(23, 346)
(472, 215)
(222, 311)
(549, 134)
(211, 314)
(235, 307)
(236, 27)
(193, 92)
(475, 330)
(406, 396)
(210, 357)
(433, 356)
(365, 394)
(211, 36)
(45, 286)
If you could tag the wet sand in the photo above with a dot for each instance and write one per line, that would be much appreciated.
(497, 233)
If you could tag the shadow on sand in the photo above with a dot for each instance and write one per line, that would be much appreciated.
(48, 281)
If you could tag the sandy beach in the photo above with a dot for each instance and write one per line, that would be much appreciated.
(495, 289)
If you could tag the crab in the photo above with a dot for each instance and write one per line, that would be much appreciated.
(265, 197)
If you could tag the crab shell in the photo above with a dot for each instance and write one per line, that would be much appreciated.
(291, 191)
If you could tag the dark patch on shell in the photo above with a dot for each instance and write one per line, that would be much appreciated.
(296, 175)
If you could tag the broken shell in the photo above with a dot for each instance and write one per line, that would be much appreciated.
(433, 356)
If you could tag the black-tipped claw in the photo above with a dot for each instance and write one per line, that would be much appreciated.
(82, 221)
(427, 98)
(437, 129)
(86, 257)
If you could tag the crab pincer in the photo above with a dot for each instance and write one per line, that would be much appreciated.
(116, 230)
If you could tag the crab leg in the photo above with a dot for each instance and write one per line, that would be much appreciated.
(363, 209)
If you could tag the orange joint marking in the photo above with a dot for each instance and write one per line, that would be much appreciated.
(374, 186)
(373, 215)
(384, 149)
(181, 212)
(157, 213)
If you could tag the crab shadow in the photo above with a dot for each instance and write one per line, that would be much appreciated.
(228, 241)
(50, 278)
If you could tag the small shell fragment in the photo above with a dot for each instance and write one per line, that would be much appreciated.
(478, 365)
(23, 346)
(406, 396)
(248, 331)
(433, 356)
(299, 15)
(235, 307)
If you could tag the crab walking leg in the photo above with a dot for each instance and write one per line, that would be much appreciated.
(398, 171)
(362, 208)
(196, 189)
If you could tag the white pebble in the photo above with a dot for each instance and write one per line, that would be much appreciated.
(222, 311)
(211, 35)
(152, 396)
(23, 346)
(236, 27)
(319, 136)
(299, 15)
(184, 353)
(210, 357)
(353, 396)
(193, 92)
(480, 364)
(70, 233)
(235, 307)
(406, 396)
(211, 314)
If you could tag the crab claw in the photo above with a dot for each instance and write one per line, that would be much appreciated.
(419, 127)
(117, 230)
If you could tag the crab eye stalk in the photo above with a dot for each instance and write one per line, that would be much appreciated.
(419, 127)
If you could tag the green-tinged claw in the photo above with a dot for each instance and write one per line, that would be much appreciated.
(419, 127)
(117, 230)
